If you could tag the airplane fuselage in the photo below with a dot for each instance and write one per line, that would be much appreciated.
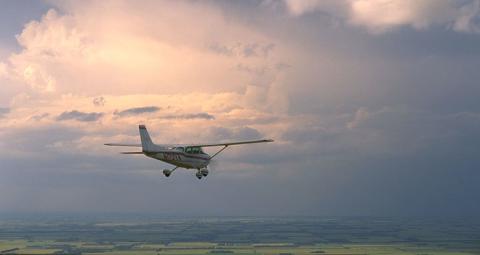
(180, 158)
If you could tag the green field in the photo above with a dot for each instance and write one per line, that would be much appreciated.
(237, 236)
(25, 247)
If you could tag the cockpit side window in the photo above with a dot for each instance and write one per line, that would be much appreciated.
(180, 148)
(188, 150)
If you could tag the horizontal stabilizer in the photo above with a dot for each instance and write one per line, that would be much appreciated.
(123, 144)
(131, 152)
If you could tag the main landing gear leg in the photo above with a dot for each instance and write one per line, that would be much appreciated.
(167, 172)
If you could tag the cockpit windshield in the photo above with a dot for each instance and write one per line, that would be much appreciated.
(194, 150)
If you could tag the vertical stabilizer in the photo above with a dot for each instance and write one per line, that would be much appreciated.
(147, 144)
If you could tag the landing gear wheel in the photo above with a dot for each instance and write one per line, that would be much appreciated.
(167, 172)
(199, 175)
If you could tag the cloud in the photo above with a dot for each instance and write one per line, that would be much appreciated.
(380, 15)
(99, 101)
(244, 50)
(383, 15)
(254, 50)
(138, 111)
(258, 71)
(361, 115)
(39, 117)
(468, 18)
(75, 39)
(4, 111)
(406, 132)
(190, 116)
(332, 98)
(300, 7)
(221, 49)
(3, 69)
(242, 133)
(80, 116)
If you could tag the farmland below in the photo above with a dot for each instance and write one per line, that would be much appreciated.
(141, 234)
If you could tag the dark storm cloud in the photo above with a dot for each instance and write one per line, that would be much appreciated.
(190, 116)
(138, 111)
(3, 112)
(393, 132)
(321, 186)
(80, 116)
(404, 132)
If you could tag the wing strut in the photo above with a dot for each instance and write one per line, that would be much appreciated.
(218, 152)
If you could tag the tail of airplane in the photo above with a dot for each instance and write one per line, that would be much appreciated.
(147, 144)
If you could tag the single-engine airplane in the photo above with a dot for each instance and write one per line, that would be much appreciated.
(189, 156)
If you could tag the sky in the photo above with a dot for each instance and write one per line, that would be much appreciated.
(373, 105)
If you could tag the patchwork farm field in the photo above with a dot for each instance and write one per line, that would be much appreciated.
(280, 236)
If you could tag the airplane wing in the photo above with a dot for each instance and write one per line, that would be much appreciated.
(123, 144)
(233, 143)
